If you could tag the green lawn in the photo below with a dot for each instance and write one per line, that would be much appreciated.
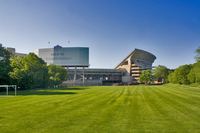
(114, 109)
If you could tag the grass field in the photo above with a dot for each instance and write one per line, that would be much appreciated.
(114, 109)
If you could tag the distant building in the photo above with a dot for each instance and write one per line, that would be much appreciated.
(13, 51)
(65, 56)
(93, 76)
(134, 63)
(76, 61)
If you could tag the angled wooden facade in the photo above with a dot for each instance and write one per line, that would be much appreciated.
(135, 62)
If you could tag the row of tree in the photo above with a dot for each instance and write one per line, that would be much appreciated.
(185, 74)
(29, 71)
(159, 74)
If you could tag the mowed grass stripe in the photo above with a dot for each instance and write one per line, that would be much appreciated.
(167, 108)
(165, 114)
(180, 112)
(159, 120)
(186, 100)
(44, 108)
(70, 116)
(182, 89)
(112, 118)
(81, 103)
(34, 99)
(117, 120)
(144, 116)
(36, 96)
(89, 114)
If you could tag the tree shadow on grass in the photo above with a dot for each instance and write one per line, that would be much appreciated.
(75, 88)
(38, 92)
(50, 91)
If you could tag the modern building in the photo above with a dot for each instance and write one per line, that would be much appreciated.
(65, 56)
(91, 76)
(13, 51)
(76, 61)
(134, 63)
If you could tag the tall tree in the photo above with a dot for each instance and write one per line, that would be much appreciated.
(161, 73)
(180, 75)
(29, 71)
(194, 75)
(57, 75)
(171, 77)
(4, 66)
(197, 57)
(146, 77)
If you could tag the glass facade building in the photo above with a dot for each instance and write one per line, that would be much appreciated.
(66, 56)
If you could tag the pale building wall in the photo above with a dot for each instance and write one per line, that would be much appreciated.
(126, 67)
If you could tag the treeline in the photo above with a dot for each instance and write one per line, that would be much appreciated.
(159, 74)
(29, 72)
(185, 74)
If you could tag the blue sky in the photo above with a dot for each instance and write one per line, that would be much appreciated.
(170, 29)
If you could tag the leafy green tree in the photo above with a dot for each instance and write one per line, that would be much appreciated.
(194, 75)
(57, 75)
(18, 73)
(161, 73)
(171, 77)
(4, 66)
(197, 57)
(180, 75)
(29, 71)
(146, 77)
(38, 70)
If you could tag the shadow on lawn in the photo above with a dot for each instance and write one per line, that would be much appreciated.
(51, 91)
(75, 88)
(38, 92)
